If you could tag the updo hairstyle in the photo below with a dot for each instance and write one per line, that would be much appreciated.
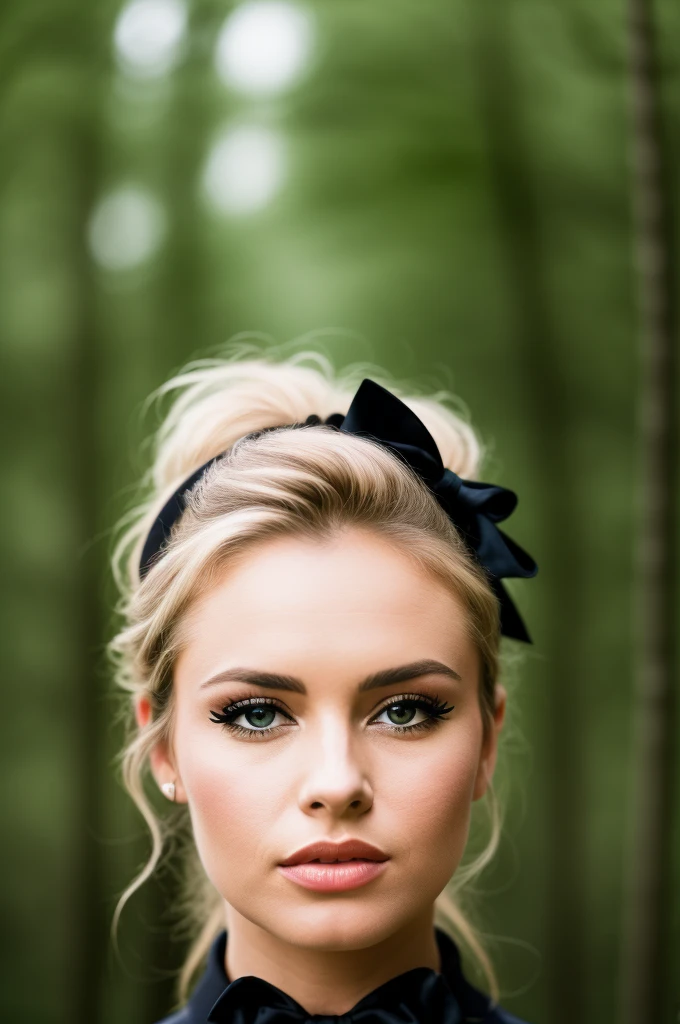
(310, 481)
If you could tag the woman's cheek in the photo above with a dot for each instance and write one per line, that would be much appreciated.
(423, 804)
(440, 810)
(224, 804)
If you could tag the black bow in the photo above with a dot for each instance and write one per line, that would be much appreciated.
(473, 507)
(419, 996)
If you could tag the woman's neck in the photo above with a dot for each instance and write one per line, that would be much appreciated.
(327, 981)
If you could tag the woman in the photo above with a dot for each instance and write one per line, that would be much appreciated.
(313, 612)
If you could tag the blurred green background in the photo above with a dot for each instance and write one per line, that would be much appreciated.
(442, 188)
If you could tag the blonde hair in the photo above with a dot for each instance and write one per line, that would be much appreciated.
(311, 480)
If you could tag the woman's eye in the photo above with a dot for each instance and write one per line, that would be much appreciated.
(258, 715)
(259, 718)
(403, 715)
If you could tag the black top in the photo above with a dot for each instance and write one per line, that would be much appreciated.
(472, 1004)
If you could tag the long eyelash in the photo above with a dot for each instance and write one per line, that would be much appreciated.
(435, 709)
(232, 711)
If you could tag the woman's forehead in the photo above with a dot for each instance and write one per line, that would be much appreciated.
(299, 601)
(345, 579)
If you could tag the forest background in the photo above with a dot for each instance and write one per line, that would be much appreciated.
(455, 191)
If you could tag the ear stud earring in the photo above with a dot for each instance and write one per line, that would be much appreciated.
(168, 789)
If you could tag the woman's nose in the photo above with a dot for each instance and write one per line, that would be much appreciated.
(334, 773)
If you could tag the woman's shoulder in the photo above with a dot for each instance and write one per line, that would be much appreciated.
(475, 1005)
(494, 1015)
(501, 1016)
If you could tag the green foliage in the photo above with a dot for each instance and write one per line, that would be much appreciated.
(455, 206)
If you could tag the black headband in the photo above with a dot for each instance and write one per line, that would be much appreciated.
(474, 507)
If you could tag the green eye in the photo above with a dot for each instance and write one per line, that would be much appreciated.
(260, 712)
(255, 711)
(404, 708)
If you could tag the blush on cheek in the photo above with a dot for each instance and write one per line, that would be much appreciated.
(447, 826)
(229, 816)
(213, 791)
(429, 802)
(245, 812)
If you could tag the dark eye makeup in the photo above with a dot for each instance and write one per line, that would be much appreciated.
(259, 709)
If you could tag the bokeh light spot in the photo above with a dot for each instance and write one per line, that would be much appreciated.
(126, 228)
(263, 46)
(244, 169)
(148, 36)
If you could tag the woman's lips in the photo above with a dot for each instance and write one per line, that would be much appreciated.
(336, 877)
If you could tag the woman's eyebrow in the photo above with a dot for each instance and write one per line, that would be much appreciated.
(386, 677)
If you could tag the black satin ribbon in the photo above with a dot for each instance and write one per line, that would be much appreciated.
(419, 996)
(474, 507)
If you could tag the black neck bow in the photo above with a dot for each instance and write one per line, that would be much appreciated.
(474, 507)
(416, 997)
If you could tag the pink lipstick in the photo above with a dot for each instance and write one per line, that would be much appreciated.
(349, 874)
(330, 866)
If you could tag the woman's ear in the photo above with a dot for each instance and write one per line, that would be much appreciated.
(142, 711)
(162, 763)
(487, 761)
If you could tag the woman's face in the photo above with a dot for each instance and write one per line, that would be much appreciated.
(327, 615)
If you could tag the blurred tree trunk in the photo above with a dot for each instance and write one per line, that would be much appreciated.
(198, 104)
(548, 405)
(88, 899)
(648, 899)
(182, 333)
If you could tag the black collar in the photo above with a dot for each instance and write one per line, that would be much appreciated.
(473, 1003)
